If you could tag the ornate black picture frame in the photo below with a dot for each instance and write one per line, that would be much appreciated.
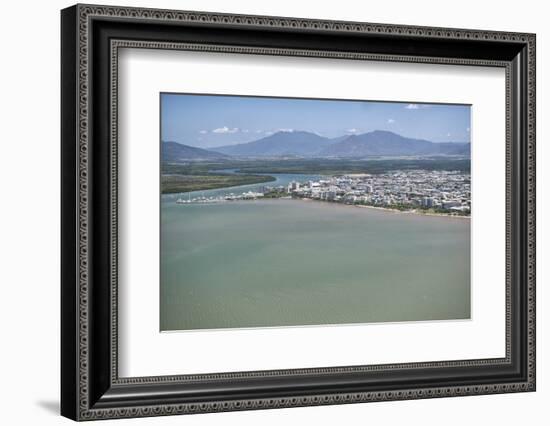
(91, 37)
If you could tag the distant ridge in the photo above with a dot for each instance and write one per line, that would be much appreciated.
(384, 143)
(174, 152)
(279, 144)
(310, 145)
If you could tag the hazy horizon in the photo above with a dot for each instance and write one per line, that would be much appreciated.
(210, 121)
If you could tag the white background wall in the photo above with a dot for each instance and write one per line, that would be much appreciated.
(29, 211)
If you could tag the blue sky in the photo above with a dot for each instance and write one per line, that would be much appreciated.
(214, 120)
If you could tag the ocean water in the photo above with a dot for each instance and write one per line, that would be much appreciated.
(270, 263)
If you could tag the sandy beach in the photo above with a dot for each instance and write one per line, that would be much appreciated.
(387, 209)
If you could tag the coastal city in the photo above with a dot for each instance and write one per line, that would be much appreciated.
(443, 192)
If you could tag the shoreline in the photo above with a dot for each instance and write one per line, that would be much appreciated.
(385, 209)
(389, 210)
(379, 208)
(417, 212)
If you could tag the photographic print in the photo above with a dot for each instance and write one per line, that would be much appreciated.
(293, 212)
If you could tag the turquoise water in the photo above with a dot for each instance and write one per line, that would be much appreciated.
(292, 262)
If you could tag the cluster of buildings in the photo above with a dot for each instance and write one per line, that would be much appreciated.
(447, 191)
(440, 191)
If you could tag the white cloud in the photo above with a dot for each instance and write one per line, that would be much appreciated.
(391, 121)
(268, 133)
(245, 130)
(286, 130)
(225, 129)
(203, 132)
(354, 130)
(412, 106)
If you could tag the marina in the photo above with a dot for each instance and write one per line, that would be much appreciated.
(250, 195)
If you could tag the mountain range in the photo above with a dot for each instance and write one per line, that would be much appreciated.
(174, 152)
(304, 144)
(383, 143)
(307, 144)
